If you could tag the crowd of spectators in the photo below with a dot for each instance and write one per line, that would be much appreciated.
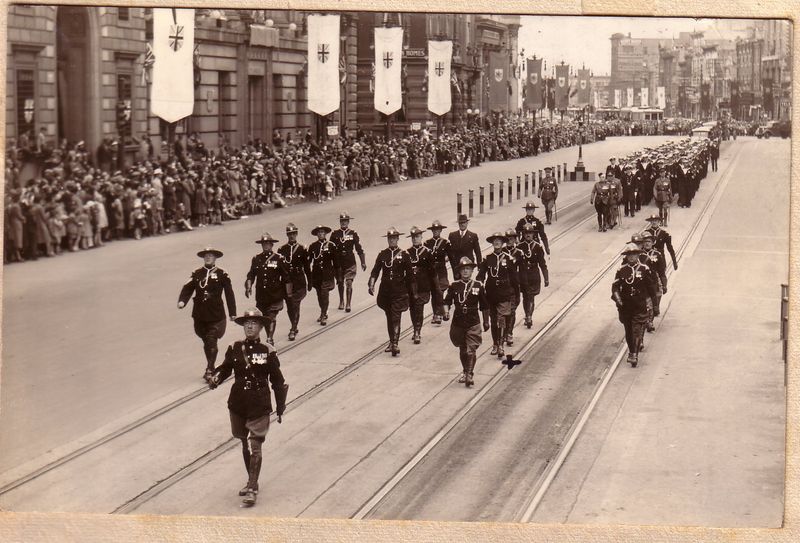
(79, 201)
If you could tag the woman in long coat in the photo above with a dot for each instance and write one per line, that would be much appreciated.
(15, 224)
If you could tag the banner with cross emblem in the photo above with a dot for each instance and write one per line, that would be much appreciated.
(498, 81)
(173, 68)
(440, 54)
(323, 64)
(388, 69)
(562, 86)
(534, 91)
(584, 87)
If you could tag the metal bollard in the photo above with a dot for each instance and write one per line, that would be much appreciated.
(526, 185)
(480, 201)
(565, 171)
(491, 196)
(518, 187)
(533, 191)
(558, 173)
(458, 205)
(510, 188)
(471, 203)
(502, 186)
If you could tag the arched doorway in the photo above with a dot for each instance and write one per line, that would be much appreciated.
(78, 77)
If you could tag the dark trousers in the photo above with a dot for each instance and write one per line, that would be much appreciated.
(634, 322)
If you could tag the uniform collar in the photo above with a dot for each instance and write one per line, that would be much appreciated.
(251, 342)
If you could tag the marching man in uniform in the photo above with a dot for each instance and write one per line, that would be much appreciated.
(423, 280)
(601, 200)
(662, 240)
(530, 260)
(255, 366)
(630, 291)
(346, 241)
(207, 284)
(548, 193)
(662, 190)
(439, 248)
(657, 263)
(270, 274)
(395, 292)
(499, 277)
(469, 298)
(538, 227)
(322, 254)
(511, 250)
(297, 262)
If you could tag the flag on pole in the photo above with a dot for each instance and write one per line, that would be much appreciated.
(498, 81)
(562, 86)
(630, 97)
(388, 58)
(661, 97)
(533, 84)
(617, 98)
(323, 63)
(584, 87)
(172, 96)
(440, 54)
(645, 97)
(147, 63)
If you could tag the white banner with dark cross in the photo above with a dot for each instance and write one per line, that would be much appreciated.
(440, 54)
(323, 63)
(388, 57)
(172, 96)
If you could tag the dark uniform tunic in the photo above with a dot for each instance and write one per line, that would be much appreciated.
(207, 285)
(347, 241)
(658, 267)
(630, 291)
(601, 198)
(499, 275)
(469, 297)
(423, 281)
(439, 248)
(531, 266)
(663, 240)
(548, 192)
(270, 274)
(296, 257)
(539, 234)
(396, 288)
(323, 256)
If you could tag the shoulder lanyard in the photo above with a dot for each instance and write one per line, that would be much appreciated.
(494, 271)
(392, 252)
(204, 282)
(467, 289)
(634, 269)
(322, 245)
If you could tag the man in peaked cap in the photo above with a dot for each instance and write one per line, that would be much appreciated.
(548, 193)
(270, 276)
(423, 280)
(255, 366)
(297, 261)
(346, 241)
(630, 291)
(662, 191)
(439, 248)
(463, 242)
(395, 293)
(531, 218)
(207, 284)
(469, 298)
(498, 274)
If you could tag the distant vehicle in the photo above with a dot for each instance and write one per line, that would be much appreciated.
(768, 130)
(701, 132)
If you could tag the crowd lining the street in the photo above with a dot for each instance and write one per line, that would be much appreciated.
(81, 202)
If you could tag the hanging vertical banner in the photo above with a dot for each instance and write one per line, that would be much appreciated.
(645, 97)
(562, 86)
(323, 63)
(629, 103)
(534, 90)
(388, 57)
(172, 96)
(440, 54)
(584, 87)
(617, 98)
(498, 81)
(661, 98)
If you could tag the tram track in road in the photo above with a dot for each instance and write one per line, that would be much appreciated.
(194, 394)
(550, 469)
(228, 445)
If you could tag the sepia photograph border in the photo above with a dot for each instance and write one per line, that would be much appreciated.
(83, 528)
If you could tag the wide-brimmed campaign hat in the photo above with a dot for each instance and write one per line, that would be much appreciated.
(646, 235)
(415, 231)
(653, 218)
(392, 232)
(530, 205)
(528, 227)
(251, 314)
(344, 216)
(631, 248)
(291, 228)
(497, 235)
(511, 233)
(436, 225)
(319, 228)
(266, 237)
(465, 262)
(636, 238)
(203, 252)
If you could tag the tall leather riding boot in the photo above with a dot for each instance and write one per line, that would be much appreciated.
(390, 331)
(246, 457)
(501, 334)
(470, 370)
(349, 293)
(271, 332)
(252, 483)
(396, 335)
(510, 321)
(340, 287)
(462, 355)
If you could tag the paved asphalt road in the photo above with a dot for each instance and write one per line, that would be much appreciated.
(116, 348)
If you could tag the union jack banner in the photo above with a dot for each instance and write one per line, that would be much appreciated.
(147, 64)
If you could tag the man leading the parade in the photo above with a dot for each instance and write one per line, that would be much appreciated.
(346, 241)
(255, 366)
(207, 284)
(548, 193)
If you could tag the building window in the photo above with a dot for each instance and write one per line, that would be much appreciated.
(26, 102)
(224, 99)
(124, 107)
(123, 14)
